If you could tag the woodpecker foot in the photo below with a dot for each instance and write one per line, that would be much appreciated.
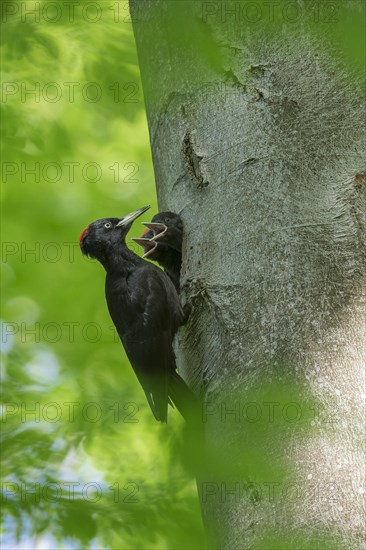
(187, 309)
(196, 293)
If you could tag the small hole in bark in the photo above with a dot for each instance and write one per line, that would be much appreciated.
(360, 179)
(193, 161)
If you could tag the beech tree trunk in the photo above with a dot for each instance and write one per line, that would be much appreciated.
(257, 136)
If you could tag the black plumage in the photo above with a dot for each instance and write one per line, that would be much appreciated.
(146, 312)
(162, 242)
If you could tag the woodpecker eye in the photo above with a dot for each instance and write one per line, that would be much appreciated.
(108, 225)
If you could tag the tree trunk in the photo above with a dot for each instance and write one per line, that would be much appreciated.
(256, 129)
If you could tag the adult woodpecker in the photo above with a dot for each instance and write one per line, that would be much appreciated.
(162, 242)
(146, 312)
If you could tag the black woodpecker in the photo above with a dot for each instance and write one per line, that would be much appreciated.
(162, 242)
(146, 312)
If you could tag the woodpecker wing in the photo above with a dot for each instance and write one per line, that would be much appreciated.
(148, 341)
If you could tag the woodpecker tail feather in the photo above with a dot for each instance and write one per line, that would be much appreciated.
(184, 399)
(160, 413)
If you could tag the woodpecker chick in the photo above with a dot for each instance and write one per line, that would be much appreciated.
(146, 312)
(162, 242)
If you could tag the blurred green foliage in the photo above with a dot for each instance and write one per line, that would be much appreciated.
(83, 132)
(84, 463)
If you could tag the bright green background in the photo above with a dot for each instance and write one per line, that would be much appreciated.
(57, 285)
(46, 290)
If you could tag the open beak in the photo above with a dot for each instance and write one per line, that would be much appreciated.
(159, 229)
(147, 244)
(132, 216)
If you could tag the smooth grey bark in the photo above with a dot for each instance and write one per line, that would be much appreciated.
(257, 137)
